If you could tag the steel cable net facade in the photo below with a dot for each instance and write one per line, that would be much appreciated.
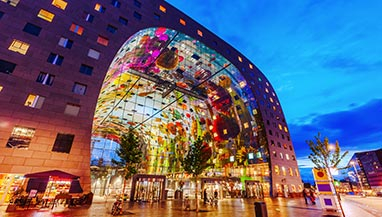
(90, 69)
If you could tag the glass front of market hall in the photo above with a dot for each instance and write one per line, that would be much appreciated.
(171, 89)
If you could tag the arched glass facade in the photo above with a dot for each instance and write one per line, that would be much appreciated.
(172, 89)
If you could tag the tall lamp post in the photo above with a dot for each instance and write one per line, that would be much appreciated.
(356, 172)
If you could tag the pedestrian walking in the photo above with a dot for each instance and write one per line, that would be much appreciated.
(305, 194)
(312, 195)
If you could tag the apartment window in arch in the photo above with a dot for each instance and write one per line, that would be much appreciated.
(55, 59)
(20, 137)
(60, 4)
(34, 101)
(19, 47)
(79, 88)
(45, 78)
(63, 143)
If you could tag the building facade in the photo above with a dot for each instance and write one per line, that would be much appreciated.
(77, 74)
(368, 167)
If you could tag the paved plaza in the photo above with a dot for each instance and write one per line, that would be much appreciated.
(278, 207)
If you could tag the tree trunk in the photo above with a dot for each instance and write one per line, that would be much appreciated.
(196, 194)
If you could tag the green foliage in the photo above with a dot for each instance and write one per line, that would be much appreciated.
(130, 154)
(325, 155)
(196, 159)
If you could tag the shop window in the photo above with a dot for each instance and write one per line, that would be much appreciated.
(93, 54)
(19, 47)
(137, 15)
(102, 40)
(63, 143)
(137, 3)
(65, 42)
(79, 88)
(183, 22)
(116, 3)
(76, 29)
(6, 67)
(34, 101)
(11, 2)
(45, 15)
(32, 29)
(200, 33)
(85, 69)
(72, 109)
(111, 29)
(55, 59)
(98, 7)
(60, 4)
(162, 8)
(88, 17)
(45, 78)
(123, 21)
(20, 137)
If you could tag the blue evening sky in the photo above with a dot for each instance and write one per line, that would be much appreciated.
(323, 58)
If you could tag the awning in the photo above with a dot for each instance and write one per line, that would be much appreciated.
(47, 174)
(75, 187)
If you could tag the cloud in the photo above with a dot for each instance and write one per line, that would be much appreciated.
(356, 129)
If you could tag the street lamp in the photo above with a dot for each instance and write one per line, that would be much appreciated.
(359, 180)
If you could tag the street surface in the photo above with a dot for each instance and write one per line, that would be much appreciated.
(354, 206)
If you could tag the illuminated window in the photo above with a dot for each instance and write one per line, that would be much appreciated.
(240, 59)
(32, 29)
(271, 99)
(1, 88)
(162, 8)
(45, 78)
(200, 33)
(286, 129)
(34, 101)
(277, 170)
(183, 22)
(11, 2)
(60, 4)
(287, 156)
(6, 67)
(55, 59)
(246, 125)
(296, 171)
(20, 137)
(88, 17)
(116, 3)
(72, 109)
(98, 7)
(19, 47)
(76, 29)
(274, 154)
(102, 40)
(250, 66)
(63, 143)
(64, 42)
(281, 155)
(79, 88)
(225, 132)
(242, 84)
(290, 171)
(93, 54)
(85, 69)
(45, 15)
(280, 127)
(284, 171)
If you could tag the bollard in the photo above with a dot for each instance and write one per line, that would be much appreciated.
(261, 209)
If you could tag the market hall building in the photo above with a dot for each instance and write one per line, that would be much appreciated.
(74, 75)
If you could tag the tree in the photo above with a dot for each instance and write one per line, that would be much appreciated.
(130, 154)
(326, 156)
(196, 161)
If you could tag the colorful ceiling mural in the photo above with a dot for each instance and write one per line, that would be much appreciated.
(172, 89)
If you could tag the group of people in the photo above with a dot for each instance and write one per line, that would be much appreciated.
(212, 200)
(309, 195)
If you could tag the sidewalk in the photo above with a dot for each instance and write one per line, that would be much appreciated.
(278, 207)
